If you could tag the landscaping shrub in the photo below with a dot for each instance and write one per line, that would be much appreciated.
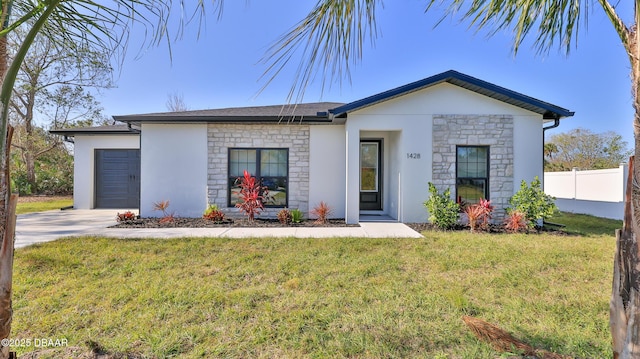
(533, 202)
(126, 216)
(515, 221)
(479, 215)
(284, 216)
(166, 216)
(251, 196)
(296, 215)
(322, 211)
(443, 211)
(212, 213)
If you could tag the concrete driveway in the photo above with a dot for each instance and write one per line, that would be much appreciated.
(50, 225)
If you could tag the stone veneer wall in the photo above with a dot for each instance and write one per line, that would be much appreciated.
(295, 137)
(495, 131)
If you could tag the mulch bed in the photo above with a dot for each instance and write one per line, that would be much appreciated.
(493, 229)
(227, 223)
(180, 222)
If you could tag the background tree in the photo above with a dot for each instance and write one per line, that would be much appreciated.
(50, 92)
(175, 103)
(53, 167)
(585, 150)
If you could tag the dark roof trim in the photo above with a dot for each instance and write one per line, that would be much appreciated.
(288, 113)
(100, 130)
(549, 111)
(226, 119)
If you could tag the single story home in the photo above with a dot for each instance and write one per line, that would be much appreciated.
(373, 156)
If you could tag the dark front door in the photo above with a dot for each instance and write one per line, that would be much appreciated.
(117, 178)
(371, 175)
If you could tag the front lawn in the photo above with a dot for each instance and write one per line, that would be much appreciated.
(585, 224)
(339, 297)
(29, 204)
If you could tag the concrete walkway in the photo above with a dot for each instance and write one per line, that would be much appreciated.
(51, 225)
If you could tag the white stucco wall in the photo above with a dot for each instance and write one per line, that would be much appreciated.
(327, 169)
(174, 168)
(404, 179)
(408, 120)
(527, 149)
(84, 166)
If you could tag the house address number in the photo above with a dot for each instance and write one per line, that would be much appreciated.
(413, 155)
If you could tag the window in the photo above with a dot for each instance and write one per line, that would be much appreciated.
(270, 165)
(472, 174)
(369, 164)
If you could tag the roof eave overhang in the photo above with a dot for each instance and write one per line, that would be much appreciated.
(72, 132)
(138, 120)
(547, 110)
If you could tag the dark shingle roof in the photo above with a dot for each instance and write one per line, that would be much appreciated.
(323, 112)
(307, 112)
(549, 111)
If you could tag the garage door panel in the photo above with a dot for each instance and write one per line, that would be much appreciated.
(117, 178)
(115, 166)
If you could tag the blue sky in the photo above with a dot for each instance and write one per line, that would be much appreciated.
(222, 68)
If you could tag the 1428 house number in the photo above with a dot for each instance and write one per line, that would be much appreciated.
(413, 156)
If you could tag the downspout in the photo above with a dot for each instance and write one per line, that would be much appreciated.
(556, 123)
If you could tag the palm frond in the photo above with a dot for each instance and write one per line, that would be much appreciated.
(556, 22)
(327, 41)
(621, 29)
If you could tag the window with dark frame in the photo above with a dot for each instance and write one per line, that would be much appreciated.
(269, 165)
(472, 174)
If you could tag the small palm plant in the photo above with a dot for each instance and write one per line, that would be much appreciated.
(516, 221)
(479, 215)
(322, 211)
(166, 216)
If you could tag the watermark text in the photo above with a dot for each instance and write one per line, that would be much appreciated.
(34, 342)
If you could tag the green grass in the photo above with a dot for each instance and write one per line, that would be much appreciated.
(316, 298)
(40, 206)
(584, 224)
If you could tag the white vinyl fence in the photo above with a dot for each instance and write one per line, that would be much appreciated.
(597, 192)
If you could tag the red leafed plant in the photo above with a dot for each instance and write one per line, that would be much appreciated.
(212, 213)
(284, 216)
(479, 215)
(251, 196)
(126, 216)
(162, 206)
(474, 213)
(516, 221)
(321, 211)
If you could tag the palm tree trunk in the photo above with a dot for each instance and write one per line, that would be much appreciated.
(7, 229)
(6, 247)
(7, 202)
(624, 317)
